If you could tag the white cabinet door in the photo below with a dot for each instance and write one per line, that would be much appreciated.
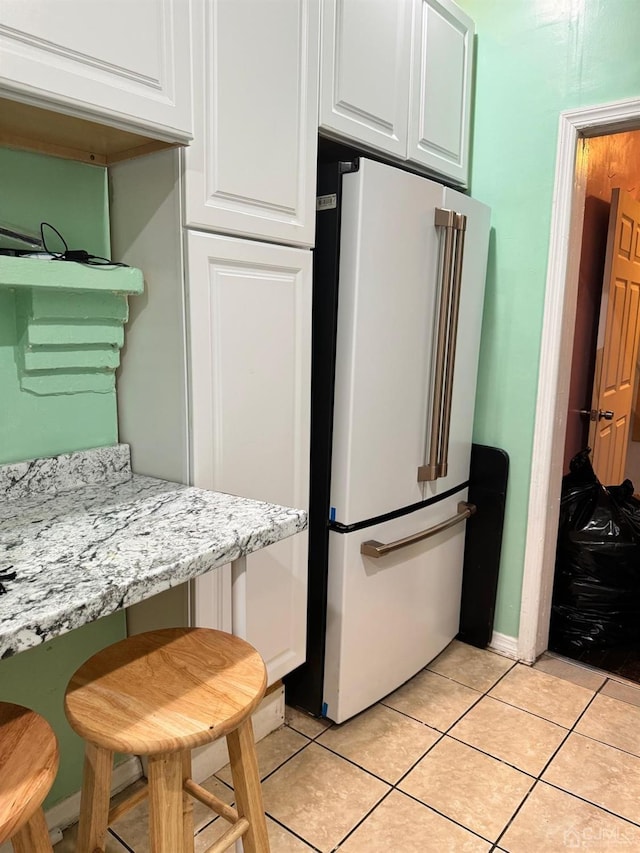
(440, 99)
(250, 342)
(251, 167)
(122, 62)
(364, 78)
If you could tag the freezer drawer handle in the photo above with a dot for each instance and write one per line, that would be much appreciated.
(378, 549)
(454, 225)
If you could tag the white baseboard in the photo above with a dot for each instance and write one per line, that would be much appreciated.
(504, 645)
(206, 760)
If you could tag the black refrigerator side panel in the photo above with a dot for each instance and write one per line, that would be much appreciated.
(487, 491)
(304, 686)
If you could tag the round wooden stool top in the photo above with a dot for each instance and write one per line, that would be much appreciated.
(28, 765)
(166, 690)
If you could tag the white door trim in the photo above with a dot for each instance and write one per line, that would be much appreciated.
(555, 362)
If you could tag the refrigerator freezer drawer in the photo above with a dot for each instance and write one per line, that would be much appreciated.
(388, 617)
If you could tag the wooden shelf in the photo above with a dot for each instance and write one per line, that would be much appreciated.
(30, 128)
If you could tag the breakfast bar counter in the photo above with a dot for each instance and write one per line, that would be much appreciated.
(81, 536)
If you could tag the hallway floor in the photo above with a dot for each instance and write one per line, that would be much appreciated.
(475, 753)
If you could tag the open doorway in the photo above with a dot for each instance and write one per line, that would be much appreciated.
(611, 162)
(575, 127)
(596, 620)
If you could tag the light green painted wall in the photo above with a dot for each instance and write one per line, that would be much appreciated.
(535, 58)
(73, 197)
(37, 678)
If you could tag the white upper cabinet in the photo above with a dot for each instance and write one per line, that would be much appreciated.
(251, 168)
(395, 78)
(118, 62)
(364, 93)
(250, 340)
(441, 88)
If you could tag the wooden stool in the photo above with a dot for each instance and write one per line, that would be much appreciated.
(161, 694)
(28, 766)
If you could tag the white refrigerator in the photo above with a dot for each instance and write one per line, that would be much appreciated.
(399, 276)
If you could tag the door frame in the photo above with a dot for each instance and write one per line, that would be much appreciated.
(555, 361)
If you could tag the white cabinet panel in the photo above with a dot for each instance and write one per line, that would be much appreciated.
(441, 88)
(396, 77)
(251, 168)
(365, 72)
(123, 62)
(250, 316)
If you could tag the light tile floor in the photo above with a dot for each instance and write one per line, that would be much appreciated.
(474, 754)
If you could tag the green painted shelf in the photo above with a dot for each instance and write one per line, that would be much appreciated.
(70, 322)
(40, 274)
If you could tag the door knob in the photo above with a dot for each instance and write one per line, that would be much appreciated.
(597, 415)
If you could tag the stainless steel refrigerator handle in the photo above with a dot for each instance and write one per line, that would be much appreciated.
(443, 219)
(461, 227)
(378, 549)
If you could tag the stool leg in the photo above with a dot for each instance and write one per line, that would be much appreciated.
(33, 837)
(246, 784)
(166, 832)
(94, 800)
(187, 805)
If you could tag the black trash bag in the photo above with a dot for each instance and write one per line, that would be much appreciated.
(596, 595)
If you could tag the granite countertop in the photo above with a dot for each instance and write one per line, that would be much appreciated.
(86, 537)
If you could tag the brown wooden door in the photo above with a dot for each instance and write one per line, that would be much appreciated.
(617, 341)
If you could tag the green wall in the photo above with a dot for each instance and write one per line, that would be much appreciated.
(535, 58)
(73, 197)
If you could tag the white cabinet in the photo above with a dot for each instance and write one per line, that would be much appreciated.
(115, 61)
(442, 61)
(250, 350)
(364, 93)
(214, 388)
(251, 168)
(396, 79)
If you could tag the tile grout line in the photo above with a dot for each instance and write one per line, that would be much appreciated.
(362, 820)
(608, 745)
(442, 814)
(442, 735)
(304, 734)
(120, 840)
(286, 761)
(489, 755)
(589, 802)
(539, 779)
(462, 683)
(569, 732)
(535, 779)
(394, 786)
(294, 833)
(599, 692)
(446, 733)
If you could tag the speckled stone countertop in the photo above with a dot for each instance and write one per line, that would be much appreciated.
(86, 537)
